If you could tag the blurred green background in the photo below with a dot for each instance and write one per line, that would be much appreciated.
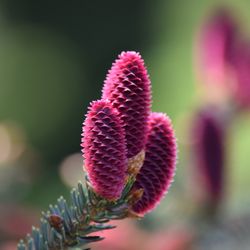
(54, 56)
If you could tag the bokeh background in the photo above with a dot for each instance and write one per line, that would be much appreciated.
(54, 56)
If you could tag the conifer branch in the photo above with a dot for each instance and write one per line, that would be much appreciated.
(66, 226)
(130, 159)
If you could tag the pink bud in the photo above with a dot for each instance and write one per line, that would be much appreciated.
(127, 86)
(104, 150)
(159, 166)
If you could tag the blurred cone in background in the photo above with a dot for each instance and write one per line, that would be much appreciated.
(214, 53)
(242, 75)
(208, 138)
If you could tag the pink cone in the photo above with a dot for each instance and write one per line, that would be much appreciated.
(159, 166)
(127, 86)
(104, 150)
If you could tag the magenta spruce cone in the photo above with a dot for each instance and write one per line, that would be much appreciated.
(104, 150)
(208, 134)
(159, 166)
(127, 86)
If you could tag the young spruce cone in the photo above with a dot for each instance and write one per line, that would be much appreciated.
(127, 86)
(104, 150)
(158, 169)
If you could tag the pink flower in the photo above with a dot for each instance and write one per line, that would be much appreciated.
(104, 150)
(209, 153)
(158, 169)
(127, 86)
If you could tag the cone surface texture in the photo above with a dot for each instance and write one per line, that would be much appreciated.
(127, 86)
(158, 169)
(104, 150)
